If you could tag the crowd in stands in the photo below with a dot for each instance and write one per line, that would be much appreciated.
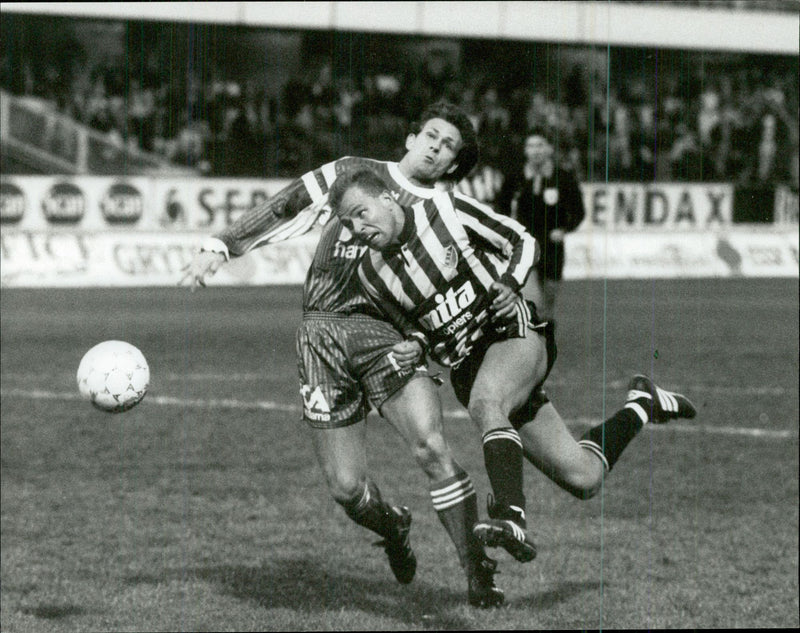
(735, 124)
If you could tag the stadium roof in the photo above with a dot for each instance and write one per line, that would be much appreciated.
(596, 23)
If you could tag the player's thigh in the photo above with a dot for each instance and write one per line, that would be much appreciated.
(415, 410)
(341, 454)
(550, 446)
(510, 370)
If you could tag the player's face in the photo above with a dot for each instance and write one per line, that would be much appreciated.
(374, 220)
(537, 150)
(432, 153)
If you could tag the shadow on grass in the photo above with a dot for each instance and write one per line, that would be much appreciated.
(315, 586)
(563, 591)
(53, 612)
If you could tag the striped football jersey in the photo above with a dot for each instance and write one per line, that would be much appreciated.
(435, 287)
(331, 283)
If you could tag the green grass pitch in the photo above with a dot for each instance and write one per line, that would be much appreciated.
(203, 509)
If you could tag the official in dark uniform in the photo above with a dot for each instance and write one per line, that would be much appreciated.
(546, 199)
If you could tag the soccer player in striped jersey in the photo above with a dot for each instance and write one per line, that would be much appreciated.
(350, 357)
(447, 271)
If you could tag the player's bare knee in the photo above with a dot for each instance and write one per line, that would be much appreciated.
(433, 455)
(586, 492)
(584, 484)
(344, 487)
(485, 411)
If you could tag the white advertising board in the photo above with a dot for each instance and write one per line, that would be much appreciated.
(741, 252)
(658, 207)
(94, 203)
(136, 258)
(105, 231)
(97, 203)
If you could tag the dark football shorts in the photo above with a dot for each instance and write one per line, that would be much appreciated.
(345, 365)
(463, 376)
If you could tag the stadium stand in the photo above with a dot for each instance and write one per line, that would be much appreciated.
(707, 116)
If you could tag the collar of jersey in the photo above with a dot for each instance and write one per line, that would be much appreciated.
(405, 183)
(409, 228)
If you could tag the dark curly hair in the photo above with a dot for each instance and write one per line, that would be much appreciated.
(468, 154)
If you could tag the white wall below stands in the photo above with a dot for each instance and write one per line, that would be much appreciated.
(739, 252)
(598, 23)
(135, 258)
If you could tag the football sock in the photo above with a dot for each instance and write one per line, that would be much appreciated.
(370, 511)
(609, 439)
(456, 505)
(502, 454)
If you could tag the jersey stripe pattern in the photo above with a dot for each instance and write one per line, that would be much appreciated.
(331, 283)
(436, 286)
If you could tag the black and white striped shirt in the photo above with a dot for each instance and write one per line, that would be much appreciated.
(436, 285)
(331, 283)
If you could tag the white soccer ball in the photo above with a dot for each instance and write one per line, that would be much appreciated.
(113, 376)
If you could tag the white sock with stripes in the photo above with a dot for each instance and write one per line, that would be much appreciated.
(457, 508)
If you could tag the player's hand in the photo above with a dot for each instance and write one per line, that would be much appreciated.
(557, 235)
(504, 301)
(204, 264)
(407, 354)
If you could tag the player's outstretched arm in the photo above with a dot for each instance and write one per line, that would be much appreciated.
(273, 220)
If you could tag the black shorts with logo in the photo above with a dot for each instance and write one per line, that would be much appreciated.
(463, 376)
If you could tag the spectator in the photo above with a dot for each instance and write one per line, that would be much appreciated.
(141, 110)
(546, 199)
(685, 157)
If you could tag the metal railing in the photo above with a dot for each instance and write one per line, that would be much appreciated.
(43, 135)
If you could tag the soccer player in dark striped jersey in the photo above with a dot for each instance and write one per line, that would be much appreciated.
(447, 271)
(351, 358)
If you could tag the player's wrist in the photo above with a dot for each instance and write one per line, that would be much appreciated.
(420, 339)
(508, 280)
(215, 245)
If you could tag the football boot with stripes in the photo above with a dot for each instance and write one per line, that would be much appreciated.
(660, 405)
(482, 592)
(398, 547)
(505, 528)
